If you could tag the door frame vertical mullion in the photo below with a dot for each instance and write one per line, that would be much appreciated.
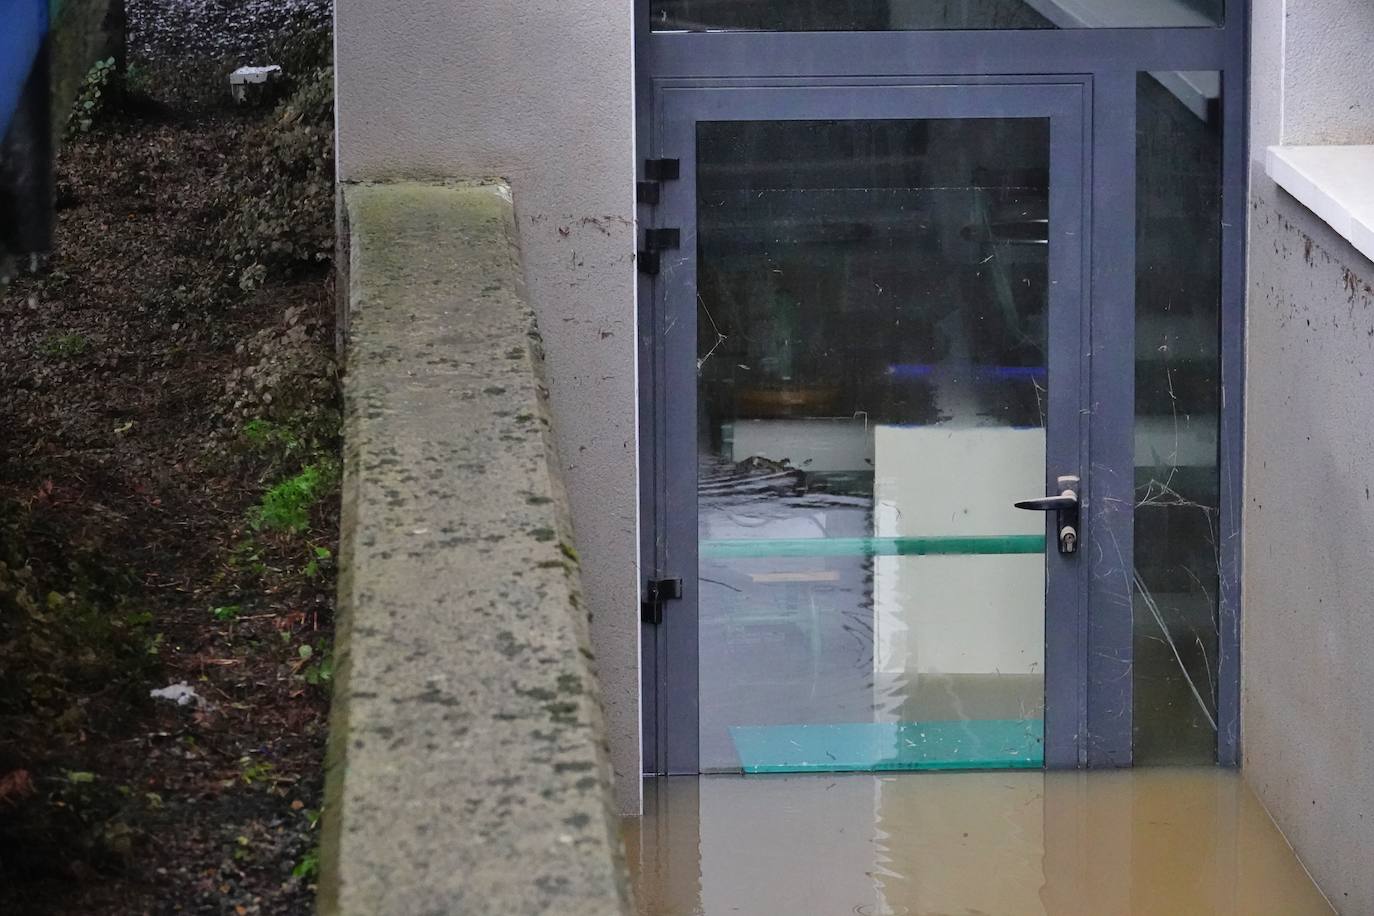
(1110, 483)
(650, 480)
(1230, 459)
(1068, 426)
(676, 328)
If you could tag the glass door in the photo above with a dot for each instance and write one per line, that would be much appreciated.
(870, 339)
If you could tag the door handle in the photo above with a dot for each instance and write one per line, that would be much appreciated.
(1065, 507)
(1066, 500)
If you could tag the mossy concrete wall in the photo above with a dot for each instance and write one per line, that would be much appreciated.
(467, 768)
(540, 93)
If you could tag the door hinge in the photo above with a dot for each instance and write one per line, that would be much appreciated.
(647, 262)
(656, 171)
(662, 169)
(656, 593)
(656, 240)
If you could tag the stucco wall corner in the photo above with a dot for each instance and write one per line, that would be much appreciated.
(541, 93)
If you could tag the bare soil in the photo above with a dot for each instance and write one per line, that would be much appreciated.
(133, 550)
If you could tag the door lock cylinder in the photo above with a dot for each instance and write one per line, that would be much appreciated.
(1065, 509)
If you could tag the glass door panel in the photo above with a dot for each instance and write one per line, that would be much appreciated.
(872, 396)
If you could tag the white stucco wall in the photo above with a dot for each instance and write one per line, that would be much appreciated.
(1327, 71)
(540, 93)
(1308, 596)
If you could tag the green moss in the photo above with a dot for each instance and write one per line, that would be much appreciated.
(62, 345)
(286, 506)
(264, 434)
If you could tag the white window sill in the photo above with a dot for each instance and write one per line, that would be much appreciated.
(1334, 182)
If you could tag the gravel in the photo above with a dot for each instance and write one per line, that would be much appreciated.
(218, 29)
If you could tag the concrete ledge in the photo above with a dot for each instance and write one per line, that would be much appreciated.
(1334, 182)
(467, 765)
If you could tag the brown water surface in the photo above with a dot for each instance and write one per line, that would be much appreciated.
(1164, 842)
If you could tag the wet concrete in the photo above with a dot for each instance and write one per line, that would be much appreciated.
(1144, 841)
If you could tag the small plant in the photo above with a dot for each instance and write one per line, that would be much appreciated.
(318, 555)
(254, 771)
(259, 432)
(226, 613)
(137, 80)
(308, 867)
(316, 664)
(96, 96)
(65, 345)
(247, 555)
(286, 506)
(272, 439)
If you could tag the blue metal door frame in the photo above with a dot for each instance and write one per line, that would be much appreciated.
(1107, 61)
(682, 107)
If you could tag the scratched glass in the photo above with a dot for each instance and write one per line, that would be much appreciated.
(872, 378)
(1177, 406)
(914, 15)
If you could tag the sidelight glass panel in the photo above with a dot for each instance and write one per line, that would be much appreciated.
(908, 15)
(872, 398)
(1178, 399)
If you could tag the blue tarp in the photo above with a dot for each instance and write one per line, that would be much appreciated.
(23, 23)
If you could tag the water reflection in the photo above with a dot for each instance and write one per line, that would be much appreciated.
(1164, 841)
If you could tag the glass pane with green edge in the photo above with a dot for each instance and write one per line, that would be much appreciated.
(871, 400)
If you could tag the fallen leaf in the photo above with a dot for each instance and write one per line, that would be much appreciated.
(16, 785)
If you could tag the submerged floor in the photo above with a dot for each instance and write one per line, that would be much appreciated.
(1145, 841)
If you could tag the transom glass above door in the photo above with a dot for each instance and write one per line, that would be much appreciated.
(890, 15)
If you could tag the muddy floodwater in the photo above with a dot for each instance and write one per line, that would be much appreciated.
(1164, 842)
